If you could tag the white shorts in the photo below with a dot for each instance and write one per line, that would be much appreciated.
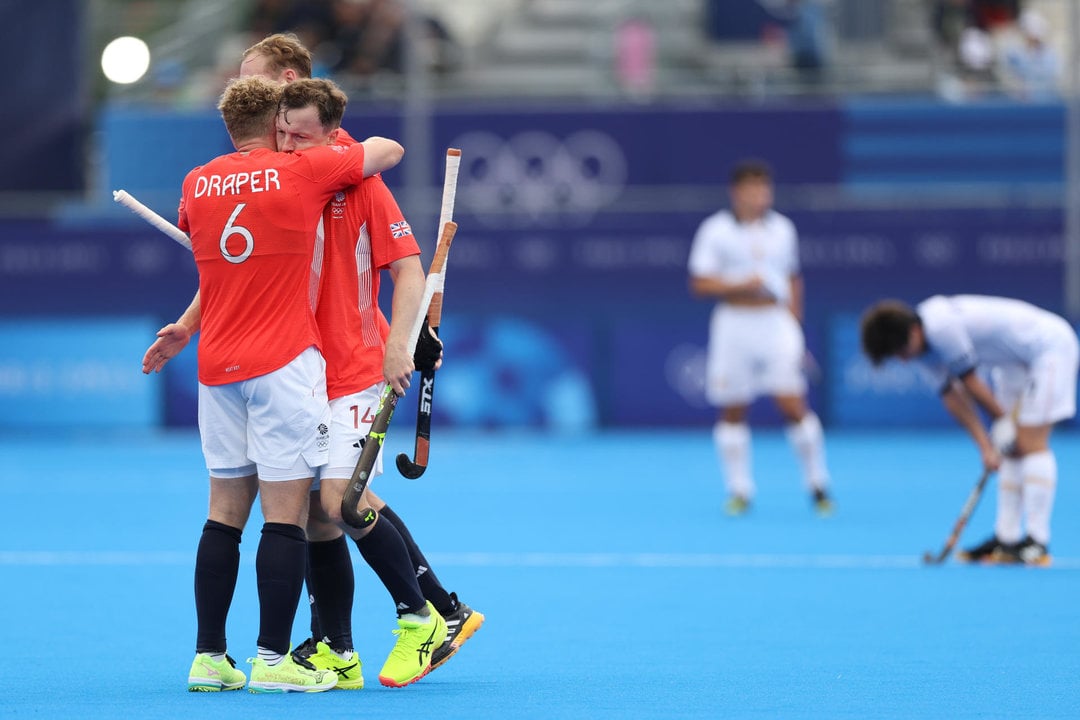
(1045, 392)
(753, 352)
(276, 425)
(350, 420)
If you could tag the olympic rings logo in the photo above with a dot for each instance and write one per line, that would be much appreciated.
(536, 178)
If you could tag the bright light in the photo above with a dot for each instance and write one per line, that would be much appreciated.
(125, 60)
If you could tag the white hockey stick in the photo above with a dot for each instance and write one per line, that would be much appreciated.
(125, 199)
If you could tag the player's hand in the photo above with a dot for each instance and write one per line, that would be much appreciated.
(1003, 435)
(172, 338)
(991, 458)
(398, 368)
(428, 354)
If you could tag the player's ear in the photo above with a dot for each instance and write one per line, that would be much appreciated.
(288, 75)
(333, 136)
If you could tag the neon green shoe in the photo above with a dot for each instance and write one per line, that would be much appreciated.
(292, 674)
(410, 659)
(209, 675)
(736, 505)
(349, 670)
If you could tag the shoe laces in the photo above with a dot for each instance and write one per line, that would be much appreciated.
(307, 648)
(301, 661)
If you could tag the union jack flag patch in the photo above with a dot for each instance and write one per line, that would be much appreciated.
(400, 229)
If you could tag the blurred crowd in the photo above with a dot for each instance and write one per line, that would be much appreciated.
(356, 38)
(992, 47)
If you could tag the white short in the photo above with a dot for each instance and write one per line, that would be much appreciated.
(276, 425)
(1045, 392)
(350, 420)
(753, 352)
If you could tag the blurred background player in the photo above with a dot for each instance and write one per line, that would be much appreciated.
(263, 412)
(1032, 356)
(746, 259)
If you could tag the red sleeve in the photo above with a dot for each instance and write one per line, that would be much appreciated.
(181, 212)
(391, 236)
(338, 166)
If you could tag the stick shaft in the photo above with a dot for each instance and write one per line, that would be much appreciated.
(965, 515)
(127, 200)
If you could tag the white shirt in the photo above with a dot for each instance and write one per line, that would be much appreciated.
(964, 331)
(733, 252)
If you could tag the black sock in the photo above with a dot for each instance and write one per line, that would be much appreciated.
(330, 581)
(217, 563)
(385, 551)
(316, 626)
(279, 569)
(425, 576)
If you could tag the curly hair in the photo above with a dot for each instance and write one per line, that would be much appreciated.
(283, 51)
(249, 107)
(886, 329)
(320, 93)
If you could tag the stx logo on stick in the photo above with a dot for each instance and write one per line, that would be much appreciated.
(427, 387)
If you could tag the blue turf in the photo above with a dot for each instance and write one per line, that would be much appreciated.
(613, 585)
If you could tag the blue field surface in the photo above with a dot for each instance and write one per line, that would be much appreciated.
(613, 585)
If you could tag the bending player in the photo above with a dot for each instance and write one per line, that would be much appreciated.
(746, 260)
(261, 374)
(1032, 357)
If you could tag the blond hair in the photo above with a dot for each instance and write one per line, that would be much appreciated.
(249, 107)
(283, 51)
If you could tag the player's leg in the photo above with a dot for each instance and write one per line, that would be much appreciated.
(380, 544)
(1008, 386)
(222, 421)
(461, 620)
(288, 419)
(728, 387)
(782, 376)
(331, 587)
(1038, 475)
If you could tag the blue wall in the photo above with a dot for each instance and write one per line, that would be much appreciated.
(566, 288)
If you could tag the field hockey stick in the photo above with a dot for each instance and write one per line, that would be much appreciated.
(126, 199)
(373, 442)
(965, 514)
(415, 466)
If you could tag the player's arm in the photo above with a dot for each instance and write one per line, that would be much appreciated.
(407, 274)
(796, 303)
(173, 338)
(716, 288)
(380, 154)
(962, 406)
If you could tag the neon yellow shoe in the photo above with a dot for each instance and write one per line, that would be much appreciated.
(349, 670)
(410, 659)
(209, 675)
(292, 674)
(736, 505)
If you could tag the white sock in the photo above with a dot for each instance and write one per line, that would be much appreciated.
(269, 656)
(1039, 473)
(1009, 502)
(732, 442)
(217, 657)
(808, 440)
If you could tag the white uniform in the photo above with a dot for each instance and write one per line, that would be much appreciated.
(753, 351)
(1033, 354)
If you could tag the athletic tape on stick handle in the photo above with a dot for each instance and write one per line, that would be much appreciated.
(126, 199)
(434, 282)
(415, 466)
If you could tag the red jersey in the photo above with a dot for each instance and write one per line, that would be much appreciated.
(365, 232)
(252, 220)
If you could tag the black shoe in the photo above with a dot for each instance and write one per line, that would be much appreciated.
(460, 626)
(823, 504)
(1030, 552)
(991, 550)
